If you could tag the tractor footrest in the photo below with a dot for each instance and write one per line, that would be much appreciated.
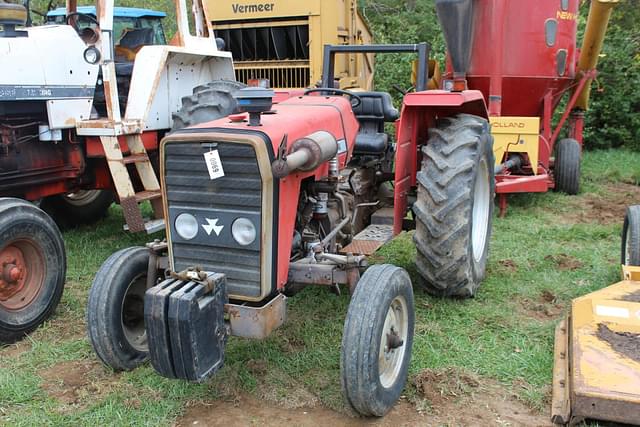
(369, 240)
(185, 327)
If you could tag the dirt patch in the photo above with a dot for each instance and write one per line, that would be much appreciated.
(508, 265)
(544, 308)
(77, 383)
(625, 343)
(632, 297)
(454, 397)
(565, 262)
(251, 412)
(448, 397)
(607, 208)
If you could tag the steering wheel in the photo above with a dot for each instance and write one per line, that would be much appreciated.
(74, 22)
(354, 99)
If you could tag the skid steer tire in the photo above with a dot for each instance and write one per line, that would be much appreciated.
(566, 169)
(208, 102)
(82, 207)
(115, 312)
(454, 208)
(377, 340)
(631, 237)
(32, 268)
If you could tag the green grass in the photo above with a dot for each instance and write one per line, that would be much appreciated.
(502, 335)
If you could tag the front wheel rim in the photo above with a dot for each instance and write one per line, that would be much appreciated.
(393, 342)
(481, 208)
(132, 314)
(82, 197)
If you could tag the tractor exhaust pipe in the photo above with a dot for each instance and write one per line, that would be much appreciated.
(306, 154)
(456, 17)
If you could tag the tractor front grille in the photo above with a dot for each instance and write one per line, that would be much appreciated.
(215, 203)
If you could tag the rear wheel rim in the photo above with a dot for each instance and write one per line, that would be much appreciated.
(480, 214)
(132, 318)
(82, 197)
(22, 274)
(391, 360)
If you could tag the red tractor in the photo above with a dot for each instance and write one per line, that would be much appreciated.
(296, 193)
(299, 192)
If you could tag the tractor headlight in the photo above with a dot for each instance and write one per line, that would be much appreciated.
(243, 231)
(186, 226)
(92, 55)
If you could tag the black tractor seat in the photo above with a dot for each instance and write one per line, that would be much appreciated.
(375, 109)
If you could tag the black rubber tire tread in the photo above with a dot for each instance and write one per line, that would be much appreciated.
(68, 215)
(444, 206)
(19, 219)
(104, 308)
(208, 102)
(359, 376)
(567, 166)
(631, 229)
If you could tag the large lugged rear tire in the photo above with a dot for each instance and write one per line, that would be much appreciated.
(631, 237)
(32, 268)
(377, 340)
(454, 209)
(81, 207)
(566, 170)
(208, 102)
(115, 312)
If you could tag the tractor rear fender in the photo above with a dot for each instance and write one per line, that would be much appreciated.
(420, 110)
(163, 75)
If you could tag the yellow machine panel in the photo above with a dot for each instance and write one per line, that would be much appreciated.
(515, 135)
(600, 375)
(283, 40)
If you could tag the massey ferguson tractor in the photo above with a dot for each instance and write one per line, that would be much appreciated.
(81, 114)
(298, 192)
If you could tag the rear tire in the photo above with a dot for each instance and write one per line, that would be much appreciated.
(208, 102)
(454, 209)
(631, 237)
(567, 166)
(81, 207)
(373, 367)
(115, 313)
(32, 268)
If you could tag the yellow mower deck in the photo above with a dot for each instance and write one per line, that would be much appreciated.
(597, 356)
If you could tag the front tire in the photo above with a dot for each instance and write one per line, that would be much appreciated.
(454, 208)
(377, 340)
(32, 268)
(631, 237)
(115, 313)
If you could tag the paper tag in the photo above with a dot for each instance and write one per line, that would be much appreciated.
(214, 165)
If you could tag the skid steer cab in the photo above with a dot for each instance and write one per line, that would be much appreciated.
(281, 196)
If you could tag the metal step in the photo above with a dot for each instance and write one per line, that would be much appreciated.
(142, 196)
(150, 226)
(135, 158)
(369, 240)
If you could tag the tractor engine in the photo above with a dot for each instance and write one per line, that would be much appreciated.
(257, 199)
(330, 204)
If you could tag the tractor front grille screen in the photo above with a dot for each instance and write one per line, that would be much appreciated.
(288, 76)
(266, 43)
(216, 204)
